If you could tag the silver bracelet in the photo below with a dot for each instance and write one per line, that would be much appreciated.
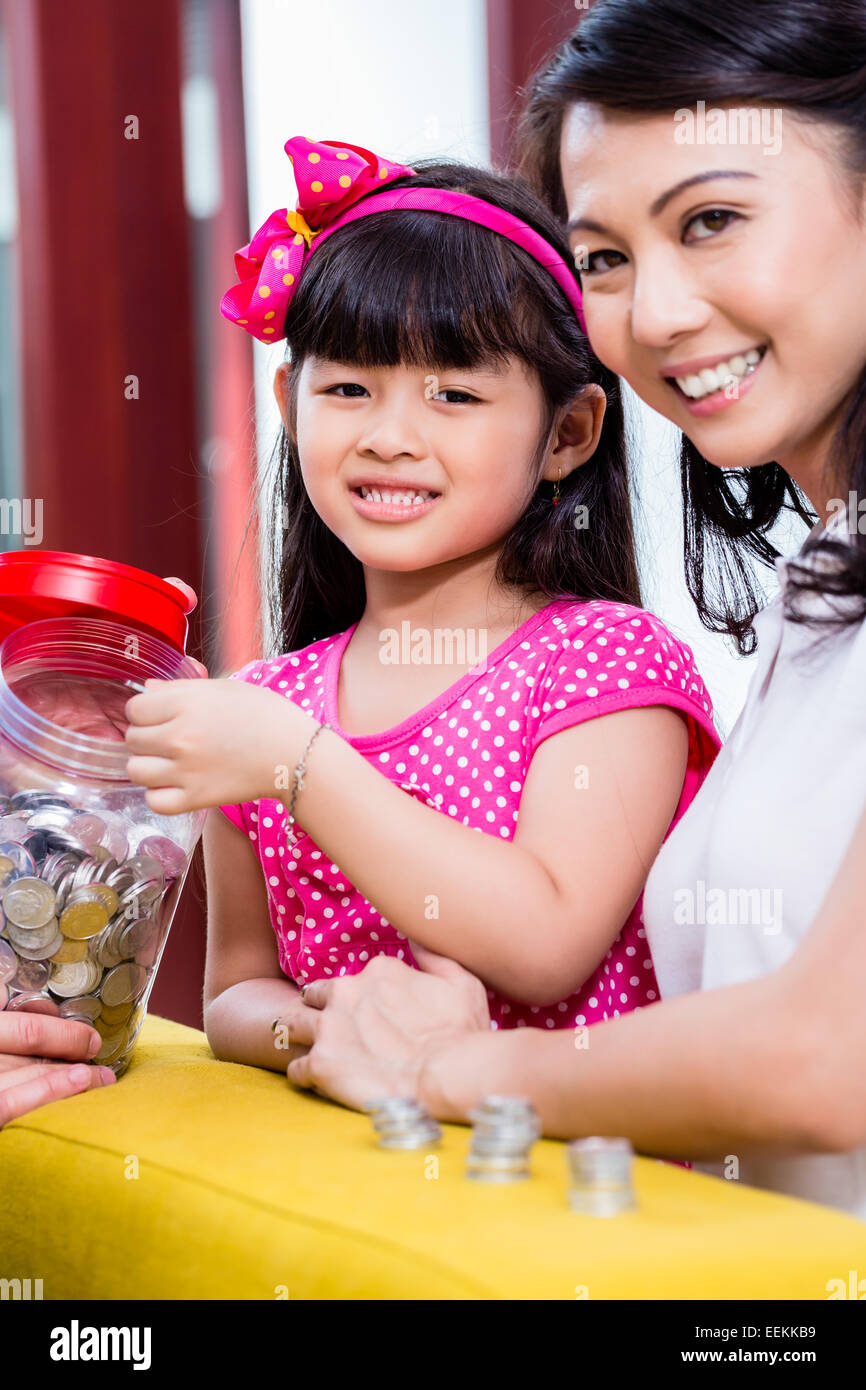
(298, 782)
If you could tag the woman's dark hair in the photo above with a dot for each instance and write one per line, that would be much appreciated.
(665, 55)
(429, 289)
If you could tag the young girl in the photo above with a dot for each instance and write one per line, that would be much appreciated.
(452, 479)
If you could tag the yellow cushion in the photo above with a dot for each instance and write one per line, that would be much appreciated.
(193, 1178)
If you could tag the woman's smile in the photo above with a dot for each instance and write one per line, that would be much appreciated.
(711, 389)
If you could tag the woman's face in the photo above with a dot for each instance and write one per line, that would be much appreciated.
(695, 254)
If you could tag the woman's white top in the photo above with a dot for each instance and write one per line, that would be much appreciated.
(740, 880)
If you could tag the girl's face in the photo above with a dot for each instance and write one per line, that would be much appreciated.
(466, 435)
(696, 254)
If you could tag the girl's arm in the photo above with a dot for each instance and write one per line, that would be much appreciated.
(533, 916)
(244, 988)
(777, 1063)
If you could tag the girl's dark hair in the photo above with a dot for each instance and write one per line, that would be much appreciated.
(433, 290)
(665, 55)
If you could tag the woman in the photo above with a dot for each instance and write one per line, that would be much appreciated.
(712, 170)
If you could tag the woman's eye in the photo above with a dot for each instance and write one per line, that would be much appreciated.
(712, 214)
(590, 269)
(715, 220)
(348, 385)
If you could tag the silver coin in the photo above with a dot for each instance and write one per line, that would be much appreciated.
(85, 1006)
(107, 950)
(114, 839)
(8, 962)
(41, 952)
(166, 852)
(76, 978)
(87, 827)
(137, 936)
(10, 849)
(31, 975)
(8, 873)
(123, 983)
(51, 818)
(34, 1003)
(32, 799)
(29, 902)
(12, 828)
(32, 938)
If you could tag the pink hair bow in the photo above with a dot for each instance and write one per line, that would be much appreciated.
(330, 176)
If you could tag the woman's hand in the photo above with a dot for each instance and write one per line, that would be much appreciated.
(37, 1061)
(207, 743)
(369, 1035)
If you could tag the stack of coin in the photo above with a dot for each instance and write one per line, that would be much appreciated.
(601, 1176)
(83, 912)
(403, 1123)
(504, 1128)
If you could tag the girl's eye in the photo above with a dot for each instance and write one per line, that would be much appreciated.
(452, 391)
(721, 216)
(349, 385)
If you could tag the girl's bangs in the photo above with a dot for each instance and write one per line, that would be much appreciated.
(438, 291)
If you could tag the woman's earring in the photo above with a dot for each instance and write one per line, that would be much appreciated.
(556, 489)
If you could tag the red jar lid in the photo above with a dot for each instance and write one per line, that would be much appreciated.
(37, 584)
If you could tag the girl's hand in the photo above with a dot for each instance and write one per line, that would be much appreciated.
(369, 1035)
(200, 743)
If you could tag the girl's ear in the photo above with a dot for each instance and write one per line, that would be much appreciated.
(578, 432)
(281, 391)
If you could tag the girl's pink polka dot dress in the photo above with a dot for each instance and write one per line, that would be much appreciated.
(467, 754)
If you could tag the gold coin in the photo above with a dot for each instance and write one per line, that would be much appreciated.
(70, 951)
(106, 895)
(117, 1013)
(123, 983)
(84, 918)
(112, 1044)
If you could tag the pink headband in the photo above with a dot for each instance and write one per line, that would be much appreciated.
(272, 263)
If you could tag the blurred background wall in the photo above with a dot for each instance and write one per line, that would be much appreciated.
(140, 145)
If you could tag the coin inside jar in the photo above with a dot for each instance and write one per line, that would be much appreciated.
(123, 983)
(79, 977)
(106, 895)
(112, 1046)
(169, 855)
(85, 1006)
(31, 975)
(69, 951)
(8, 962)
(29, 903)
(84, 915)
(31, 937)
(137, 936)
(33, 1004)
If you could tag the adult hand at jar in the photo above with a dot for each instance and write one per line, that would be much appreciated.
(42, 1059)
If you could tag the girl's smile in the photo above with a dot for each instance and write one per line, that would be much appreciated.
(394, 504)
